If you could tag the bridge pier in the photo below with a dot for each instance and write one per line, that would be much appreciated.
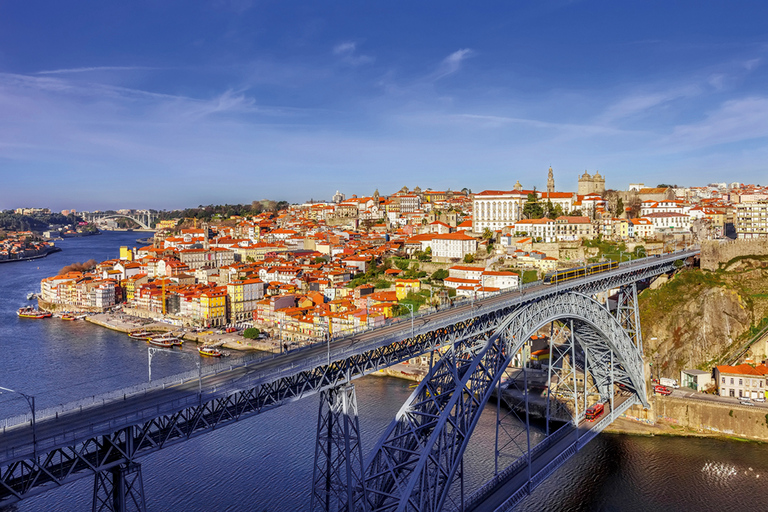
(338, 471)
(119, 489)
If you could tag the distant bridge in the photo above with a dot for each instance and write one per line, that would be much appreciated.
(144, 218)
(417, 464)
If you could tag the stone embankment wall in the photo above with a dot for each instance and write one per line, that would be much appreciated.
(705, 416)
(713, 253)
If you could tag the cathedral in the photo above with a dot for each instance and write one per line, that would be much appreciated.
(591, 184)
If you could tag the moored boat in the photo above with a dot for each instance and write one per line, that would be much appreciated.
(166, 340)
(69, 317)
(30, 312)
(159, 342)
(140, 335)
(209, 351)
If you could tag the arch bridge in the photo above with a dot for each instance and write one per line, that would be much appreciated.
(477, 350)
(144, 218)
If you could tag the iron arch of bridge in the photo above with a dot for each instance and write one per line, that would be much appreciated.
(417, 457)
(137, 220)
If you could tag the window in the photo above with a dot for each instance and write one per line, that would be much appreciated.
(741, 382)
(731, 380)
(723, 380)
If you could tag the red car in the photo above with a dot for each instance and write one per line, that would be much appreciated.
(662, 390)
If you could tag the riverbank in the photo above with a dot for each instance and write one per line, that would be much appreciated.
(35, 257)
(126, 323)
(685, 417)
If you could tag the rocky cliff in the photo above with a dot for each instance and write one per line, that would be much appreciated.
(698, 318)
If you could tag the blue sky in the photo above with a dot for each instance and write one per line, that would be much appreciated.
(168, 104)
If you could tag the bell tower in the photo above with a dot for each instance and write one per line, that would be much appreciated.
(550, 181)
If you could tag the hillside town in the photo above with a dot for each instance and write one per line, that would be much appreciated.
(322, 269)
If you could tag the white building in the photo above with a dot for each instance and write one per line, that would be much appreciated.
(495, 209)
(453, 245)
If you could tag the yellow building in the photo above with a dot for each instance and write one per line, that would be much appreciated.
(213, 306)
(404, 286)
(126, 253)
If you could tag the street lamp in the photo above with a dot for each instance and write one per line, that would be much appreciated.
(410, 306)
(152, 350)
(31, 403)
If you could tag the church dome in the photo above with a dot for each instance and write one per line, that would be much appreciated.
(597, 176)
(586, 175)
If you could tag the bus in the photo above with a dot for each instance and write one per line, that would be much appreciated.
(594, 412)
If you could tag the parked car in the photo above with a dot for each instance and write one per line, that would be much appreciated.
(746, 402)
(759, 399)
(662, 390)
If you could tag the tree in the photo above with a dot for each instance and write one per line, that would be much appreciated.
(556, 211)
(251, 333)
(532, 208)
(249, 259)
(487, 234)
(619, 207)
(439, 275)
(469, 258)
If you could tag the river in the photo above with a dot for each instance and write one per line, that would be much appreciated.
(265, 463)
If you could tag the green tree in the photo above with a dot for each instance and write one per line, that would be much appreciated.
(251, 333)
(556, 211)
(439, 275)
(469, 258)
(619, 207)
(532, 208)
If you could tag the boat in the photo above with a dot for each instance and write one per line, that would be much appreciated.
(30, 312)
(69, 317)
(158, 342)
(209, 351)
(141, 335)
(165, 340)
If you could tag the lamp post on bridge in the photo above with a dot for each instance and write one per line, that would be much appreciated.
(410, 306)
(31, 403)
(152, 350)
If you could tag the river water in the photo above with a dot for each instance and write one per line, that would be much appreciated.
(265, 463)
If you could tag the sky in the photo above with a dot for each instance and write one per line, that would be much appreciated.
(177, 103)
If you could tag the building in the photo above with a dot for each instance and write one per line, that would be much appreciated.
(695, 379)
(752, 220)
(591, 184)
(496, 209)
(452, 245)
(742, 381)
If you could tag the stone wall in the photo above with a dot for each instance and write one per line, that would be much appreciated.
(713, 252)
(708, 416)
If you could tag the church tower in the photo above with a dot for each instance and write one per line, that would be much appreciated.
(550, 181)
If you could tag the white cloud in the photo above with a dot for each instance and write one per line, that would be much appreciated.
(347, 51)
(452, 63)
(92, 69)
(735, 121)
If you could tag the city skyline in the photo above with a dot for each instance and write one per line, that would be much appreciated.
(170, 106)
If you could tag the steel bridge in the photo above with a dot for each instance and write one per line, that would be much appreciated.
(144, 218)
(477, 349)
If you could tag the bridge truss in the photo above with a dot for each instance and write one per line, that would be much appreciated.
(476, 346)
